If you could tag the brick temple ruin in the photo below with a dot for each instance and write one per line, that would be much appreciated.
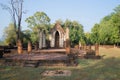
(57, 37)
(53, 51)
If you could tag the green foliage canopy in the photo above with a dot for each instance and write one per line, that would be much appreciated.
(108, 30)
(76, 31)
(38, 22)
(10, 34)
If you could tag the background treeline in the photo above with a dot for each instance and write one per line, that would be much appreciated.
(105, 32)
(108, 30)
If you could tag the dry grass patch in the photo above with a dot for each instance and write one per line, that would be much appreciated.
(109, 52)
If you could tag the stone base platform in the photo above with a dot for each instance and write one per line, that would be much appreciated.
(35, 60)
(41, 56)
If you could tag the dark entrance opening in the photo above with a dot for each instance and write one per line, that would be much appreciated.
(57, 39)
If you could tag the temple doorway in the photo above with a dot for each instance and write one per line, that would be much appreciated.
(57, 36)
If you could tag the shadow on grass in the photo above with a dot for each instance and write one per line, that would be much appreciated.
(105, 69)
(88, 69)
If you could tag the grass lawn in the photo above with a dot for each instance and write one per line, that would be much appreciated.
(107, 68)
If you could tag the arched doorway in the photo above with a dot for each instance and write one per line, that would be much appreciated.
(57, 36)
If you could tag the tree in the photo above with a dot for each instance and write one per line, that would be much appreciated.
(117, 9)
(95, 34)
(105, 30)
(108, 30)
(15, 8)
(115, 23)
(110, 26)
(10, 35)
(26, 34)
(2, 42)
(76, 31)
(87, 38)
(38, 22)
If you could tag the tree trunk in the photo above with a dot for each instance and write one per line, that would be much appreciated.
(19, 20)
(97, 49)
(19, 44)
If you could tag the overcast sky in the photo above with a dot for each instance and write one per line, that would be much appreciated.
(86, 12)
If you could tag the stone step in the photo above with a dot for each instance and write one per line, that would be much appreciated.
(49, 64)
(53, 63)
(29, 65)
(31, 62)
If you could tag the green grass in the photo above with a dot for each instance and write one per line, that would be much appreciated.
(107, 68)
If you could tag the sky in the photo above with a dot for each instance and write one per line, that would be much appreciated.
(86, 12)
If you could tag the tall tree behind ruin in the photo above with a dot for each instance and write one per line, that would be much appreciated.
(39, 21)
(15, 8)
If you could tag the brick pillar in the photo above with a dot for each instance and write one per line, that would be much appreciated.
(67, 41)
(36, 45)
(89, 47)
(97, 49)
(19, 44)
(80, 46)
(64, 44)
(40, 40)
(67, 46)
(84, 47)
(29, 47)
(43, 39)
